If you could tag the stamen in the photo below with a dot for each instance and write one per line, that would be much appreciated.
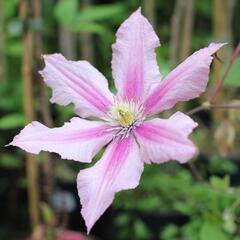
(124, 117)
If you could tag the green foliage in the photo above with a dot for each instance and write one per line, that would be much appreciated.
(204, 7)
(170, 232)
(140, 230)
(14, 120)
(211, 206)
(218, 165)
(47, 213)
(211, 230)
(137, 229)
(100, 13)
(229, 224)
(9, 161)
(86, 20)
(220, 183)
(233, 78)
(65, 11)
(9, 8)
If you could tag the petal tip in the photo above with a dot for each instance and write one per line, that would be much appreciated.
(89, 228)
(8, 145)
(139, 10)
(137, 13)
(216, 46)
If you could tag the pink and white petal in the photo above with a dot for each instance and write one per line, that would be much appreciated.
(77, 140)
(134, 62)
(79, 83)
(120, 168)
(185, 82)
(162, 140)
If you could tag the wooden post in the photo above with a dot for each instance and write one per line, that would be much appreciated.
(31, 161)
(175, 32)
(87, 46)
(2, 45)
(68, 43)
(187, 29)
(149, 11)
(44, 103)
(222, 19)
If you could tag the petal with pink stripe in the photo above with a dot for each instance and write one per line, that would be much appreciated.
(77, 140)
(185, 82)
(79, 83)
(162, 140)
(134, 62)
(120, 168)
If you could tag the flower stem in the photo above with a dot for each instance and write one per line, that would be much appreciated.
(208, 106)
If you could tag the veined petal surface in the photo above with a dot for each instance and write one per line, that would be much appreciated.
(79, 83)
(120, 168)
(162, 140)
(77, 140)
(187, 81)
(134, 64)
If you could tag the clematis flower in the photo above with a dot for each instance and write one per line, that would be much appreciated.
(124, 121)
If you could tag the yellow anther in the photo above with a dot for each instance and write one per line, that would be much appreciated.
(125, 116)
(123, 113)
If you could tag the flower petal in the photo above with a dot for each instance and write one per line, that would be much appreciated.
(77, 140)
(185, 82)
(79, 83)
(119, 168)
(134, 62)
(162, 140)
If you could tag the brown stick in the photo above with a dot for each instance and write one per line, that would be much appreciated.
(44, 106)
(2, 45)
(67, 43)
(149, 10)
(87, 46)
(31, 163)
(208, 106)
(187, 29)
(175, 31)
(195, 171)
(195, 110)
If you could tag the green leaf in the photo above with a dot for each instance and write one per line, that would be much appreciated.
(89, 27)
(10, 161)
(65, 11)
(122, 219)
(141, 231)
(14, 49)
(220, 183)
(12, 121)
(212, 230)
(233, 77)
(101, 12)
(48, 215)
(10, 7)
(169, 232)
(229, 221)
(221, 165)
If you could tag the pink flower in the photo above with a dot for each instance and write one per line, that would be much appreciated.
(123, 120)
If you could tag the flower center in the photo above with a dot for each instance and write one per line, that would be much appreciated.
(125, 116)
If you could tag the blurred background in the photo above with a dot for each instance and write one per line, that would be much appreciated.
(195, 201)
